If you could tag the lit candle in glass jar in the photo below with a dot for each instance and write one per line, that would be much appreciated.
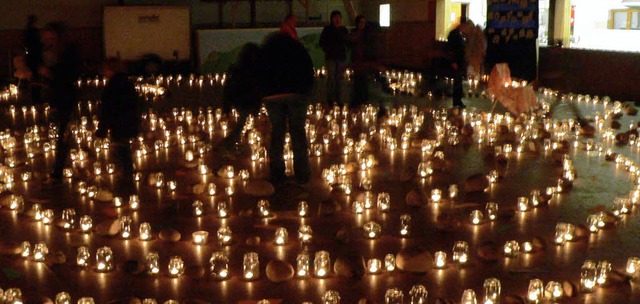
(63, 298)
(440, 259)
(453, 191)
(244, 175)
(603, 270)
(588, 276)
(223, 209)
(153, 264)
(468, 297)
(263, 208)
(405, 224)
(536, 291)
(384, 201)
(476, 217)
(461, 252)
(492, 289)
(16, 203)
(436, 195)
(225, 236)
(125, 226)
(145, 231)
(219, 265)
(47, 216)
(68, 218)
(393, 296)
(251, 266)
(302, 265)
(511, 249)
(491, 209)
(229, 172)
(633, 264)
(200, 237)
(117, 201)
(592, 223)
(322, 264)
(527, 247)
(36, 209)
(40, 252)
(374, 266)
(171, 185)
(390, 262)
(303, 208)
(330, 297)
(553, 291)
(357, 207)
(523, 204)
(372, 230)
(211, 189)
(82, 259)
(281, 236)
(25, 250)
(134, 202)
(104, 259)
(176, 266)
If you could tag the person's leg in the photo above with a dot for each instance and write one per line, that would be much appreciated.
(297, 114)
(277, 117)
(331, 82)
(235, 135)
(360, 90)
(124, 185)
(341, 67)
(62, 145)
(457, 90)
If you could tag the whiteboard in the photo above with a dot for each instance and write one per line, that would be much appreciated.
(133, 31)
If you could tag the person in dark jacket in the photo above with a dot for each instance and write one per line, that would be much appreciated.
(33, 56)
(241, 91)
(60, 71)
(359, 63)
(287, 78)
(456, 48)
(120, 115)
(333, 41)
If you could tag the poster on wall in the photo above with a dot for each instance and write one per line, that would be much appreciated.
(512, 20)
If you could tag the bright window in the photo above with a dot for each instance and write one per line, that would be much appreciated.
(385, 15)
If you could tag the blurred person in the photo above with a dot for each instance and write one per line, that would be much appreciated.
(241, 91)
(286, 80)
(456, 43)
(33, 57)
(289, 26)
(333, 41)
(60, 71)
(359, 62)
(476, 50)
(120, 112)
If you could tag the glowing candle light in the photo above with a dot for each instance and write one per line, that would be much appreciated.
(63, 298)
(322, 264)
(125, 226)
(303, 265)
(117, 201)
(592, 223)
(476, 217)
(200, 237)
(536, 291)
(82, 259)
(374, 266)
(418, 294)
(384, 202)
(219, 265)
(198, 208)
(468, 297)
(440, 259)
(588, 276)
(176, 266)
(393, 296)
(263, 208)
(523, 204)
(223, 209)
(229, 190)
(145, 231)
(492, 289)
(553, 291)
(603, 270)
(511, 249)
(251, 266)
(303, 208)
(527, 247)
(357, 207)
(372, 230)
(436, 195)
(461, 252)
(281, 236)
(330, 297)
(25, 250)
(68, 218)
(47, 216)
(633, 265)
(491, 209)
(153, 263)
(134, 202)
(211, 189)
(390, 262)
(104, 259)
(453, 191)
(225, 236)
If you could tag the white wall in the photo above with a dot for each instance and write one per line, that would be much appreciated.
(590, 27)
(76, 13)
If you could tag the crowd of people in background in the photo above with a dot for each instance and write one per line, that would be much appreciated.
(279, 73)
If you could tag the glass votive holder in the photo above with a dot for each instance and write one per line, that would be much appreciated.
(418, 295)
(82, 259)
(374, 266)
(436, 195)
(229, 190)
(461, 252)
(153, 263)
(383, 201)
(16, 203)
(263, 208)
(145, 231)
(104, 259)
(476, 217)
(330, 297)
(25, 249)
(633, 265)
(536, 291)
(390, 262)
(468, 297)
(322, 264)
(225, 235)
(211, 189)
(244, 175)
(453, 191)
(47, 216)
(219, 265)
(117, 201)
(491, 208)
(592, 223)
(86, 300)
(523, 204)
(281, 236)
(63, 298)
(229, 172)
(68, 218)
(440, 258)
(603, 270)
(588, 276)
(40, 252)
(251, 266)
(305, 234)
(405, 224)
(357, 207)
(527, 247)
(176, 266)
(303, 208)
(553, 291)
(198, 208)
(134, 202)
(222, 209)
(511, 249)
(303, 265)
(200, 237)
(125, 226)
(492, 288)
(36, 210)
(372, 230)
(171, 185)
(535, 198)
(393, 296)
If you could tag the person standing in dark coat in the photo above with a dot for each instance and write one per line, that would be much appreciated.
(33, 56)
(286, 72)
(456, 43)
(60, 72)
(120, 114)
(333, 41)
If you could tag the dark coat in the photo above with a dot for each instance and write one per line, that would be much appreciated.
(120, 110)
(333, 41)
(64, 75)
(456, 48)
(285, 66)
(241, 89)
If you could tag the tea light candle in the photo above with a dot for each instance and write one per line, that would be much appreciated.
(251, 266)
(523, 204)
(374, 266)
(468, 297)
(134, 202)
(390, 262)
(418, 294)
(104, 259)
(511, 249)
(535, 198)
(303, 208)
(592, 223)
(588, 276)
(553, 291)
(219, 265)
(330, 297)
(383, 202)
(125, 226)
(405, 224)
(200, 237)
(603, 270)
(223, 209)
(536, 289)
(476, 217)
(492, 289)
(244, 175)
(47, 216)
(225, 236)
(176, 267)
(281, 236)
(68, 218)
(357, 207)
(145, 231)
(16, 203)
(633, 265)
(153, 264)
(117, 201)
(302, 265)
(263, 208)
(436, 195)
(25, 250)
(453, 191)
(491, 209)
(461, 252)
(440, 259)
(171, 185)
(527, 247)
(36, 209)
(82, 259)
(372, 230)
(322, 264)
(63, 298)
(198, 208)
(393, 296)
(229, 172)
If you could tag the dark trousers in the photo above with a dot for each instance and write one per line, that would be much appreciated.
(335, 75)
(62, 144)
(457, 88)
(292, 111)
(124, 184)
(360, 89)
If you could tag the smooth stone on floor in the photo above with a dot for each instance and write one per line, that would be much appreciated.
(350, 266)
(259, 188)
(414, 260)
(170, 235)
(279, 271)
